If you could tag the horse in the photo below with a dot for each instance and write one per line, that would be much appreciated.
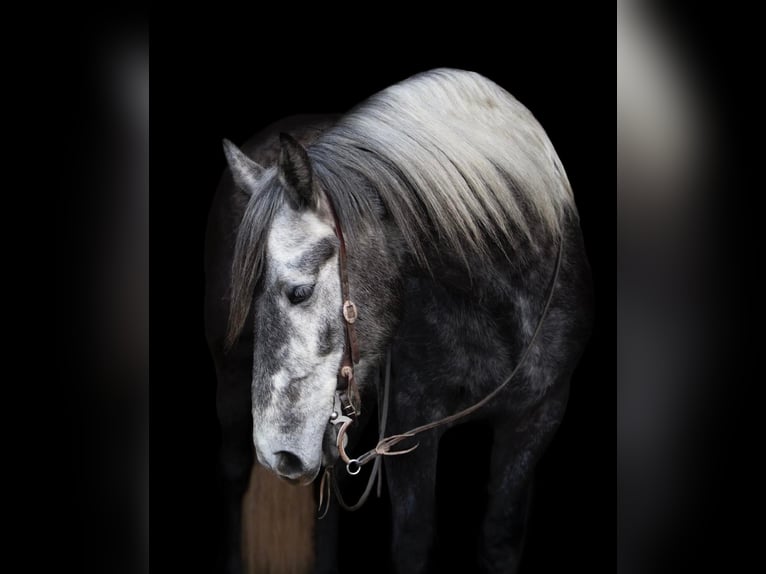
(441, 209)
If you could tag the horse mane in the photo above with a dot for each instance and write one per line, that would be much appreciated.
(454, 160)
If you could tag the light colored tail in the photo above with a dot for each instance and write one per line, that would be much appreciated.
(277, 525)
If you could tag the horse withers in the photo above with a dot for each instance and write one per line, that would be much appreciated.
(463, 253)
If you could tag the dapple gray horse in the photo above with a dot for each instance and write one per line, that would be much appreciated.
(462, 238)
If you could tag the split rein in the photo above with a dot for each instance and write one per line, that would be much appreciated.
(347, 405)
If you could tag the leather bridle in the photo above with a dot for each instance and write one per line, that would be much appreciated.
(347, 389)
(347, 405)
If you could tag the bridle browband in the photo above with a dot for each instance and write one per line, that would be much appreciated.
(347, 404)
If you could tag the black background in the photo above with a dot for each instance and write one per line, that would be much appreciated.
(211, 81)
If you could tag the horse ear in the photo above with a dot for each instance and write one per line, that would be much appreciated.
(244, 170)
(295, 173)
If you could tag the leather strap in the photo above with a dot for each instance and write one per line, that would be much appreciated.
(348, 390)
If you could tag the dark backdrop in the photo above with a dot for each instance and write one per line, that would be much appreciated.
(210, 82)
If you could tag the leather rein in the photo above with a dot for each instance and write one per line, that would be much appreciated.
(347, 404)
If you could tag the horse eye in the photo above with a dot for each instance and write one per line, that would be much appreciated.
(300, 294)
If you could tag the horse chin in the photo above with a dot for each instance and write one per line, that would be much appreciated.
(304, 480)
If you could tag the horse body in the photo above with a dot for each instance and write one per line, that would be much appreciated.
(454, 204)
(457, 342)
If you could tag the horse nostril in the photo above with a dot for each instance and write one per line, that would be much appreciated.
(288, 464)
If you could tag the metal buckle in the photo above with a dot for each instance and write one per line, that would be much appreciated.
(349, 410)
(336, 416)
(349, 312)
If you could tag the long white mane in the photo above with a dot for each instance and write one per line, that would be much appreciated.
(458, 164)
(454, 158)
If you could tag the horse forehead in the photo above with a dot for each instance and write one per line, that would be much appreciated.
(293, 232)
